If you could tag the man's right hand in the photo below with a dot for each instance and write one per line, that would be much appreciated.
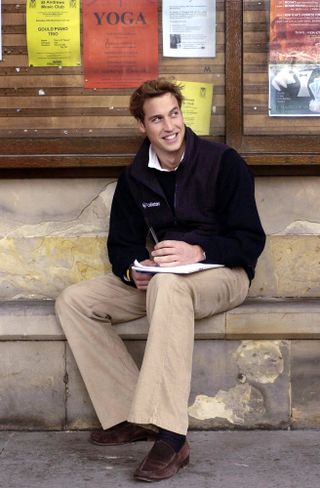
(141, 280)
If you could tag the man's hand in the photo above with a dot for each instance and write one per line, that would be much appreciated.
(141, 280)
(174, 253)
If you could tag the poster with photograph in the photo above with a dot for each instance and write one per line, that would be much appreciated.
(120, 42)
(189, 28)
(294, 90)
(294, 58)
(53, 32)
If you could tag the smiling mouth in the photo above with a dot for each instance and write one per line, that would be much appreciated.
(171, 137)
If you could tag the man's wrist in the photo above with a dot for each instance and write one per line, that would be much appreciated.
(202, 253)
(128, 275)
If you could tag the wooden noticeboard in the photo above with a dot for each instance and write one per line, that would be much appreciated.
(262, 140)
(48, 119)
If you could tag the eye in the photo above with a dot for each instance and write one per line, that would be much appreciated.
(156, 119)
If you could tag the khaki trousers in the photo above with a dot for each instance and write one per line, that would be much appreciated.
(157, 394)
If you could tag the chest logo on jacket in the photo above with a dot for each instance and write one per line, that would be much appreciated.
(150, 204)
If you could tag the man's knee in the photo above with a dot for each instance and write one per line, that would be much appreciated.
(70, 297)
(168, 282)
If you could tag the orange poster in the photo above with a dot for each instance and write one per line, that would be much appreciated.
(120, 42)
(294, 31)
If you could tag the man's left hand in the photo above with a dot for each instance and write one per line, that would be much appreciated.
(174, 253)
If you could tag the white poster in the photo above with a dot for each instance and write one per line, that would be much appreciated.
(189, 28)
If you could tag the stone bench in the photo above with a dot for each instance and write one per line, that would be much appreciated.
(257, 318)
(255, 366)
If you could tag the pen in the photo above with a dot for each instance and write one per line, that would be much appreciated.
(154, 235)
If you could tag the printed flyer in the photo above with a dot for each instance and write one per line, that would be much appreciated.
(53, 32)
(294, 58)
(120, 42)
(197, 106)
(294, 31)
(189, 28)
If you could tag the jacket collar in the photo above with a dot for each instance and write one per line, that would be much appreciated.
(139, 168)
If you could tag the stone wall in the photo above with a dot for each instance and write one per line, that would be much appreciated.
(53, 233)
(289, 265)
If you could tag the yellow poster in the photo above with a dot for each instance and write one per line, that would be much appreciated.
(53, 32)
(197, 106)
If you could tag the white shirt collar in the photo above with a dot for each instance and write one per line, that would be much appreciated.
(154, 161)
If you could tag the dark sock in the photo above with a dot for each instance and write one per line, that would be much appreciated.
(174, 440)
(119, 425)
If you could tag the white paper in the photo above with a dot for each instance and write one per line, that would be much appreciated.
(182, 269)
(189, 28)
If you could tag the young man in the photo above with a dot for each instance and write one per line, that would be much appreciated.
(198, 197)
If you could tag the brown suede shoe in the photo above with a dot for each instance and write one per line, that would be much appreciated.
(121, 434)
(162, 462)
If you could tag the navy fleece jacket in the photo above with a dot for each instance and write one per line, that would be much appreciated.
(218, 194)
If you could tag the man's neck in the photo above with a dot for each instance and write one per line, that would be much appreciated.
(170, 162)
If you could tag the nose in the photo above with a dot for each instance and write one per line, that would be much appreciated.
(168, 124)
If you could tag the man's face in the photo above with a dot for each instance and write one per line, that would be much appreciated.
(164, 126)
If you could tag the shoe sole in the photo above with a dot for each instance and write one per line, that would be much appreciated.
(149, 479)
(140, 439)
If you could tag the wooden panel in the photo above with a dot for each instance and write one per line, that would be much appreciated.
(48, 120)
(262, 139)
(255, 80)
(43, 103)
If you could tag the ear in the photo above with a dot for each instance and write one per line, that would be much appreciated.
(141, 127)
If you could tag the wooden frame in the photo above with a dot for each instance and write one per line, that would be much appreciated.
(259, 150)
(71, 152)
(106, 154)
(26, 146)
